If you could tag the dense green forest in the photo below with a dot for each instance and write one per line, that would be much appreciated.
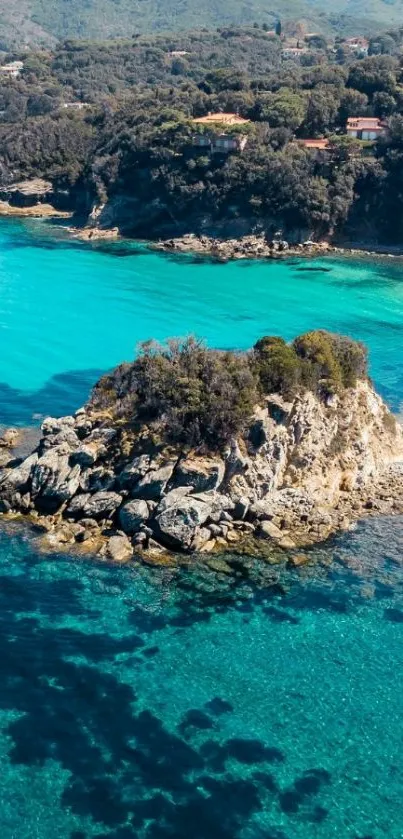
(131, 145)
(43, 22)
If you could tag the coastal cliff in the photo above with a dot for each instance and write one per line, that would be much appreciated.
(126, 474)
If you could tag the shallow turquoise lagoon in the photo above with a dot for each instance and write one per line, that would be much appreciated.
(140, 703)
(68, 311)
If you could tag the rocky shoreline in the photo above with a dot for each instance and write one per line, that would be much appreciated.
(259, 247)
(36, 211)
(304, 470)
(245, 247)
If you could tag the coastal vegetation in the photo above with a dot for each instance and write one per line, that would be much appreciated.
(112, 124)
(206, 397)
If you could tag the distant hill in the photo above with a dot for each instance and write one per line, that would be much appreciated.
(41, 22)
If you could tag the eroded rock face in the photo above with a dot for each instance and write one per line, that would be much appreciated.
(300, 471)
(201, 473)
(53, 479)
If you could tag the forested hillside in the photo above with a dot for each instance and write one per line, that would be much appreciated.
(112, 125)
(42, 22)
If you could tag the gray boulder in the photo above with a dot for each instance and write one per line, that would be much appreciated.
(85, 455)
(134, 471)
(153, 484)
(53, 478)
(172, 498)
(132, 515)
(51, 425)
(83, 427)
(178, 525)
(99, 505)
(97, 480)
(19, 477)
(65, 436)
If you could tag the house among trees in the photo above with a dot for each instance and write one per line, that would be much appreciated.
(12, 69)
(294, 52)
(365, 128)
(357, 45)
(214, 135)
(316, 145)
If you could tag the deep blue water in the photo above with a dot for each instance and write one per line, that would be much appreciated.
(156, 703)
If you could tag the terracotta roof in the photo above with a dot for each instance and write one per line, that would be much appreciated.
(359, 40)
(315, 144)
(224, 119)
(365, 123)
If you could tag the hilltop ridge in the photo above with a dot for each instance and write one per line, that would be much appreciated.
(43, 22)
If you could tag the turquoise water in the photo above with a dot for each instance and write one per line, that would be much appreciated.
(68, 311)
(140, 703)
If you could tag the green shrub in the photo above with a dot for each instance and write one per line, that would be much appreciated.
(320, 368)
(352, 357)
(199, 396)
(277, 365)
(330, 361)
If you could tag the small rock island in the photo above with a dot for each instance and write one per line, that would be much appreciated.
(189, 449)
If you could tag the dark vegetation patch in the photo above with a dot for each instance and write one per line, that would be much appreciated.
(203, 396)
(136, 137)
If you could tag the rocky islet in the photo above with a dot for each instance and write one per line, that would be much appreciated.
(302, 470)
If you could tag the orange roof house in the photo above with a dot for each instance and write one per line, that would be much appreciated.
(217, 140)
(320, 145)
(221, 119)
(365, 128)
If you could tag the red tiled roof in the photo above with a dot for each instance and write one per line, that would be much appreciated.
(315, 144)
(365, 124)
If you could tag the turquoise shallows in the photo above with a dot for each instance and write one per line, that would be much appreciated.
(140, 703)
(69, 311)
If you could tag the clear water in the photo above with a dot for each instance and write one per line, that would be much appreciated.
(155, 703)
(68, 311)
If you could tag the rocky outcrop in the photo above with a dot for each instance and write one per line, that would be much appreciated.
(245, 247)
(301, 471)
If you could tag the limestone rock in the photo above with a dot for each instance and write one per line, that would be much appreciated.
(65, 436)
(51, 425)
(99, 505)
(9, 438)
(268, 529)
(200, 473)
(134, 471)
(53, 479)
(86, 455)
(97, 480)
(132, 515)
(153, 484)
(177, 525)
(19, 476)
(119, 549)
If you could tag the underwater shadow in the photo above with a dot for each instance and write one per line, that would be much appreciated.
(62, 394)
